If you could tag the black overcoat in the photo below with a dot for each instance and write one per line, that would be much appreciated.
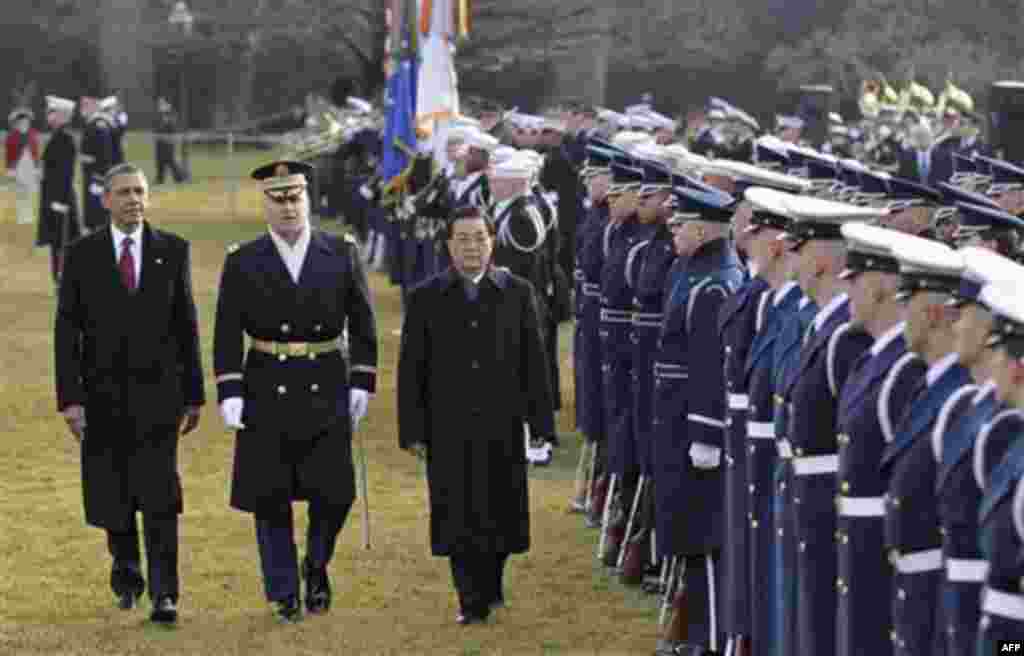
(132, 359)
(58, 187)
(297, 442)
(469, 376)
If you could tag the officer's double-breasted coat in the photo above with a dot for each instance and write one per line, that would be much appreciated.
(297, 440)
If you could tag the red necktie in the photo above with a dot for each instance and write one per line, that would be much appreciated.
(127, 264)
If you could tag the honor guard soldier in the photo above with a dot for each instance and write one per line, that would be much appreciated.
(652, 213)
(97, 155)
(586, 348)
(474, 189)
(58, 209)
(960, 421)
(117, 119)
(869, 407)
(741, 318)
(929, 273)
(999, 468)
(689, 418)
(293, 399)
(625, 237)
(772, 262)
(827, 355)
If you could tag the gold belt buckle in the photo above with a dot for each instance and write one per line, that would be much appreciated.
(298, 349)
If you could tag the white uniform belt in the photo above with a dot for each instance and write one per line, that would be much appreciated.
(616, 316)
(761, 430)
(811, 465)
(964, 570)
(640, 323)
(861, 506)
(1002, 604)
(591, 289)
(648, 316)
(918, 562)
(785, 448)
(738, 401)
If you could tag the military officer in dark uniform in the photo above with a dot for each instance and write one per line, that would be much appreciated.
(741, 318)
(827, 355)
(929, 273)
(58, 209)
(953, 439)
(689, 417)
(999, 469)
(649, 273)
(586, 347)
(97, 156)
(625, 235)
(293, 398)
(773, 264)
(865, 423)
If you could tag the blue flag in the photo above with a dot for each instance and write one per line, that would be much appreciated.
(400, 128)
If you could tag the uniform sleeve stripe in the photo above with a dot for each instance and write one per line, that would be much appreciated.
(707, 421)
(223, 378)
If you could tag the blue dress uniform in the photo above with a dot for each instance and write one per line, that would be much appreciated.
(912, 527)
(591, 382)
(657, 263)
(741, 318)
(688, 501)
(1001, 529)
(761, 463)
(786, 357)
(826, 358)
(97, 155)
(871, 402)
(616, 317)
(295, 382)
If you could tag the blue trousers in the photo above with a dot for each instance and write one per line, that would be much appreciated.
(279, 560)
(785, 634)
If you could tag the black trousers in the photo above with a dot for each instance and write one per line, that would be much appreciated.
(479, 580)
(160, 533)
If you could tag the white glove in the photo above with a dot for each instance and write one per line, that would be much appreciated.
(365, 192)
(705, 456)
(231, 411)
(358, 400)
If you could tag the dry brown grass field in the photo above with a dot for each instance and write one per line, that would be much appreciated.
(392, 599)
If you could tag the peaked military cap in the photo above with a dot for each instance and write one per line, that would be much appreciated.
(707, 204)
(982, 219)
(869, 248)
(982, 267)
(816, 218)
(657, 178)
(850, 172)
(1007, 305)
(820, 168)
(283, 174)
(598, 161)
(1005, 176)
(964, 163)
(771, 151)
(748, 175)
(926, 265)
(769, 209)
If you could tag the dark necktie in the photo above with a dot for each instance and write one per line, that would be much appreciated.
(472, 290)
(127, 265)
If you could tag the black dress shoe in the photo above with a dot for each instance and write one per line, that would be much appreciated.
(288, 611)
(128, 586)
(318, 588)
(165, 611)
(465, 618)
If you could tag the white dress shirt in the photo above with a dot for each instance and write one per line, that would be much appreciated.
(136, 249)
(293, 256)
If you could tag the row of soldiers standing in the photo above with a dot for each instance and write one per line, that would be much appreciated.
(801, 390)
(101, 148)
